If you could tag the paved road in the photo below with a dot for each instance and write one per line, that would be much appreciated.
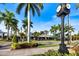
(5, 45)
(5, 50)
(24, 52)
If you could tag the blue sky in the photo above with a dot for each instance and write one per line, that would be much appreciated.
(46, 19)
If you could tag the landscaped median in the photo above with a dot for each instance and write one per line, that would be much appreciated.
(73, 51)
(55, 53)
(22, 45)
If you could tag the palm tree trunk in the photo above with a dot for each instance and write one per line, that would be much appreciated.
(16, 35)
(8, 33)
(3, 36)
(11, 31)
(21, 29)
(54, 35)
(28, 35)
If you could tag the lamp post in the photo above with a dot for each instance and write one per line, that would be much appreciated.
(63, 10)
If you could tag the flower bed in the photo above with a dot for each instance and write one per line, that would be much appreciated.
(55, 53)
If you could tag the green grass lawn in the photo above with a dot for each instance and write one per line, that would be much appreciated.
(44, 46)
(2, 42)
(47, 43)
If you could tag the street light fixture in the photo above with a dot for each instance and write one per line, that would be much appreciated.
(63, 10)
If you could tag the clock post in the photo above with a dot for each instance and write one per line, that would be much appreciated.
(62, 11)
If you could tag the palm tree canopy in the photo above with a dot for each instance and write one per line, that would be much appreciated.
(25, 23)
(8, 18)
(36, 34)
(54, 28)
(33, 7)
(14, 24)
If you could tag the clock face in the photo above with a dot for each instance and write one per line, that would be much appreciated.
(58, 9)
(68, 6)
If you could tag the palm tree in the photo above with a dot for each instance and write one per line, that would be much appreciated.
(25, 24)
(22, 35)
(69, 29)
(45, 32)
(33, 7)
(7, 17)
(59, 31)
(14, 26)
(53, 30)
(36, 34)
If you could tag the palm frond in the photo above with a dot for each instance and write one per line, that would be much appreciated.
(20, 6)
(37, 9)
(26, 10)
(33, 10)
(40, 5)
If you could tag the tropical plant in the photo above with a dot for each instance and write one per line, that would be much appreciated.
(22, 35)
(36, 34)
(25, 24)
(53, 30)
(29, 7)
(8, 18)
(69, 29)
(14, 26)
(14, 39)
(23, 45)
(56, 53)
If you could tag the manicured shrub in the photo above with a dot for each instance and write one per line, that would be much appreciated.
(52, 53)
(55, 53)
(24, 45)
(15, 46)
(33, 43)
(28, 45)
(14, 39)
